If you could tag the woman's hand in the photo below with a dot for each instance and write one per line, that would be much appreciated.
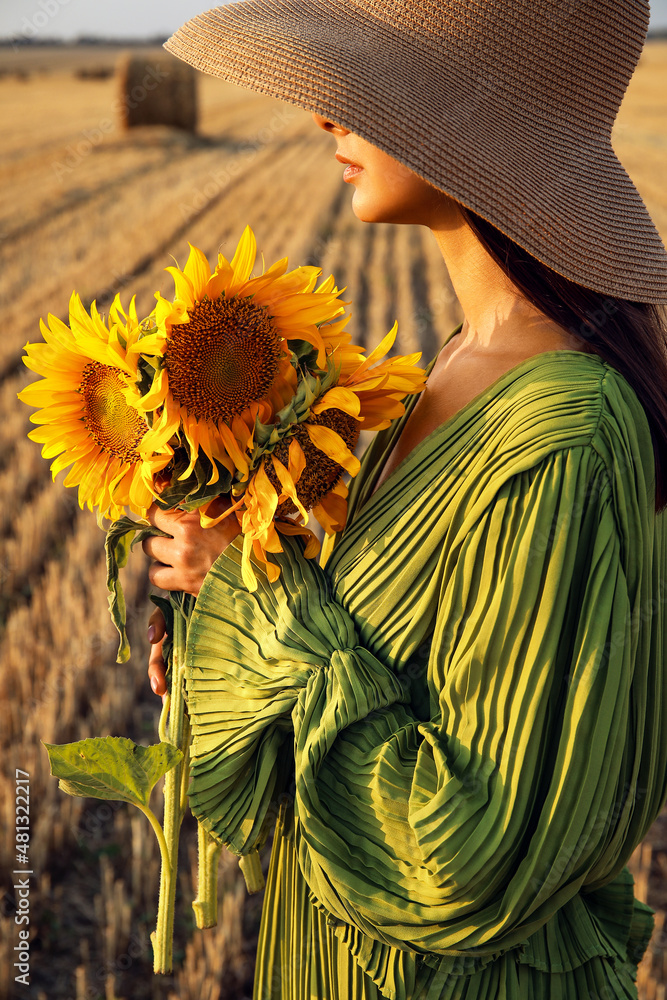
(156, 666)
(181, 562)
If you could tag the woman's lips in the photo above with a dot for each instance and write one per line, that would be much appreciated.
(351, 170)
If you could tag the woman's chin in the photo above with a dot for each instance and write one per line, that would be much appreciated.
(372, 209)
(366, 211)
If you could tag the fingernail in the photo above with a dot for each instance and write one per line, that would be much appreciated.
(154, 684)
(151, 633)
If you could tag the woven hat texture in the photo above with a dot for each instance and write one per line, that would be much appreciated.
(506, 105)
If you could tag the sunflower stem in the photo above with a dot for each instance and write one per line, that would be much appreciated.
(164, 850)
(175, 781)
(205, 905)
(251, 867)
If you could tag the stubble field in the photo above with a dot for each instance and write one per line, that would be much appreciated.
(85, 205)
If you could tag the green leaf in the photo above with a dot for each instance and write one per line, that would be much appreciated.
(111, 767)
(304, 355)
(117, 547)
(194, 491)
(167, 608)
(146, 369)
(120, 539)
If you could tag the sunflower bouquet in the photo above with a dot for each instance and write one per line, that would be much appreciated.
(244, 387)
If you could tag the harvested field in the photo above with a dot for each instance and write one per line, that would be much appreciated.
(86, 205)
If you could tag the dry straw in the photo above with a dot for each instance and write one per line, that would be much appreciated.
(157, 91)
(506, 105)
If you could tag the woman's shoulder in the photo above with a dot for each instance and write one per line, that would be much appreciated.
(554, 403)
(562, 398)
(565, 402)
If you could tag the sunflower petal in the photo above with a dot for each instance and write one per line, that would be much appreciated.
(210, 522)
(290, 528)
(156, 394)
(296, 460)
(332, 444)
(247, 572)
(220, 279)
(331, 512)
(288, 487)
(238, 457)
(184, 290)
(243, 260)
(339, 398)
(267, 498)
(383, 347)
(327, 549)
(198, 271)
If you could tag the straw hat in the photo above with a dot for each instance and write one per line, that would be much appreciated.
(506, 105)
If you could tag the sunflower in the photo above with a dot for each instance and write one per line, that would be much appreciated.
(297, 464)
(222, 351)
(379, 386)
(367, 396)
(88, 416)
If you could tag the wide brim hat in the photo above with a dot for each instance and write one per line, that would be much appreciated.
(505, 105)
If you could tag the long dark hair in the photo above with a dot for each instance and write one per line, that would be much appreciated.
(630, 336)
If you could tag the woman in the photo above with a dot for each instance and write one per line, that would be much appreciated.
(461, 719)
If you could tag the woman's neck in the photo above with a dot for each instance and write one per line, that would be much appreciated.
(498, 319)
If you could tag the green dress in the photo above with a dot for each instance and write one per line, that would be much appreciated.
(458, 728)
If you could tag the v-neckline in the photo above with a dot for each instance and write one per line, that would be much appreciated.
(446, 426)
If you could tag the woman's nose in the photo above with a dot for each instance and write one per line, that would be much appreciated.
(328, 125)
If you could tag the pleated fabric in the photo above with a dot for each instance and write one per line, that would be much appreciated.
(460, 722)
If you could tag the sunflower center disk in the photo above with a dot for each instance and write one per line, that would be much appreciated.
(321, 472)
(224, 359)
(116, 427)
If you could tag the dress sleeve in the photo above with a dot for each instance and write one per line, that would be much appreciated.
(467, 831)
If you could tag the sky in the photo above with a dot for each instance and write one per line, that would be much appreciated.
(68, 19)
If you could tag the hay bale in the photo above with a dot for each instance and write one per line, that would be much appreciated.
(157, 90)
(93, 72)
